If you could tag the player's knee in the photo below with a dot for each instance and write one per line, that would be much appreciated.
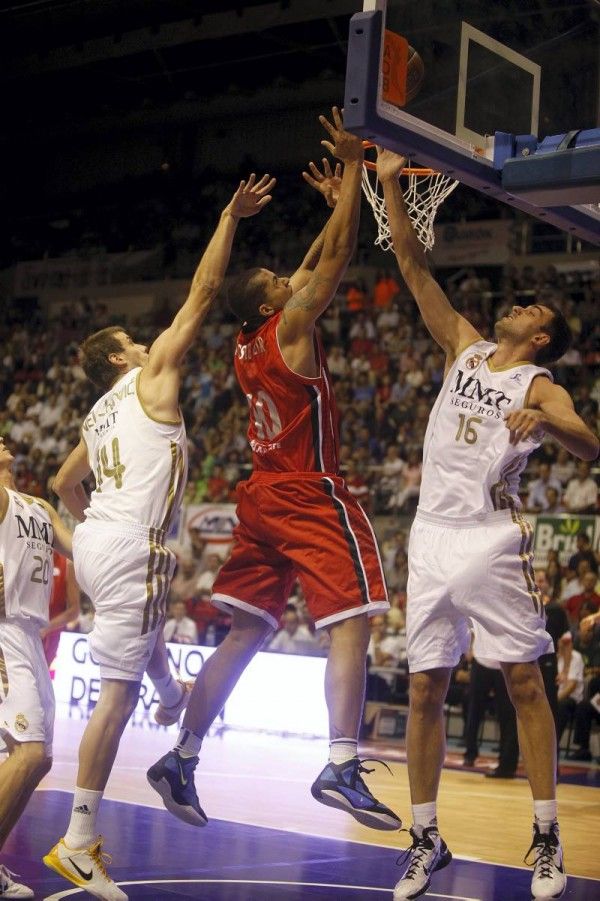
(32, 756)
(525, 685)
(427, 692)
(248, 633)
(44, 767)
(352, 631)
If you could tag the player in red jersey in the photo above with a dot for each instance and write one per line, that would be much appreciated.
(64, 604)
(296, 517)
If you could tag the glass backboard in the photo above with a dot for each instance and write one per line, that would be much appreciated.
(490, 66)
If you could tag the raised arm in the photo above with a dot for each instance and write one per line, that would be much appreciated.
(159, 380)
(451, 330)
(550, 408)
(328, 183)
(68, 482)
(304, 308)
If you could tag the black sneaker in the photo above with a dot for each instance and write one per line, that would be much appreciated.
(341, 785)
(499, 773)
(549, 879)
(173, 778)
(428, 853)
(583, 754)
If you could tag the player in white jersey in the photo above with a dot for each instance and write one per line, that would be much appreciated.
(134, 442)
(470, 549)
(29, 530)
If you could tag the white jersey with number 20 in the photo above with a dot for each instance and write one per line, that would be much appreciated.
(469, 465)
(140, 463)
(26, 568)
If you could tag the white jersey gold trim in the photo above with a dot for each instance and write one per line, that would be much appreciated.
(26, 568)
(469, 465)
(140, 463)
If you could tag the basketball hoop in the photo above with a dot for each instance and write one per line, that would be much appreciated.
(426, 189)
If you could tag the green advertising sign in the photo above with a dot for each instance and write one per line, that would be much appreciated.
(560, 533)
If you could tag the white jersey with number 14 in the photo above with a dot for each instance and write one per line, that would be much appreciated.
(140, 463)
(469, 465)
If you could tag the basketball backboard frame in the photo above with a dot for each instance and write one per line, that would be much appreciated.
(367, 115)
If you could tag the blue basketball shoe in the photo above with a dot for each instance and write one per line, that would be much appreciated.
(341, 785)
(173, 778)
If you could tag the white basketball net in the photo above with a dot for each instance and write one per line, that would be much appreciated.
(422, 197)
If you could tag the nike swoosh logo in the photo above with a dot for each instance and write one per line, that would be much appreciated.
(181, 776)
(86, 876)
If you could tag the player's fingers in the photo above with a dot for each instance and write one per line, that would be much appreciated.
(315, 171)
(264, 189)
(263, 181)
(310, 180)
(338, 170)
(337, 117)
(327, 168)
(329, 146)
(327, 126)
(250, 182)
(264, 201)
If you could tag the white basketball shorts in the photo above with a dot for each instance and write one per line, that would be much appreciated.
(125, 570)
(472, 574)
(26, 695)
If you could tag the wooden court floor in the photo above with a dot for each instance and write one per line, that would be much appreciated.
(264, 780)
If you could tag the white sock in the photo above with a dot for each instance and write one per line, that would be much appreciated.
(545, 814)
(82, 829)
(424, 815)
(188, 744)
(169, 690)
(342, 749)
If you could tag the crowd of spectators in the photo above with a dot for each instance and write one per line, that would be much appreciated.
(387, 373)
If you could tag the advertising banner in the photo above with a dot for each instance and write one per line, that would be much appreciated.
(278, 692)
(559, 533)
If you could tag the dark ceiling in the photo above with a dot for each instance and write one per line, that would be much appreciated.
(64, 63)
(85, 58)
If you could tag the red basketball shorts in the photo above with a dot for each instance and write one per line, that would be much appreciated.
(307, 527)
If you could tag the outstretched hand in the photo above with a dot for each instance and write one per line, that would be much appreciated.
(343, 145)
(389, 164)
(328, 183)
(251, 196)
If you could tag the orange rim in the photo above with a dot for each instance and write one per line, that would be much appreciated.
(408, 170)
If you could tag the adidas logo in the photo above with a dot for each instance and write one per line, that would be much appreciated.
(82, 809)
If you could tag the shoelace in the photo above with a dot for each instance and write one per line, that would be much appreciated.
(545, 845)
(416, 851)
(100, 858)
(363, 769)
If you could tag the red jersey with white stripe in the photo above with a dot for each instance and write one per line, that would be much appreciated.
(293, 419)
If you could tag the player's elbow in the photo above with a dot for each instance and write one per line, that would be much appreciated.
(590, 450)
(63, 484)
(59, 485)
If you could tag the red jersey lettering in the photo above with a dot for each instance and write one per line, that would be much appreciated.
(293, 419)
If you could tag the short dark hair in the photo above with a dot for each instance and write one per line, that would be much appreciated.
(245, 295)
(560, 335)
(94, 353)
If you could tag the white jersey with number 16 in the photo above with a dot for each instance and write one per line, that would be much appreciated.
(469, 465)
(140, 463)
